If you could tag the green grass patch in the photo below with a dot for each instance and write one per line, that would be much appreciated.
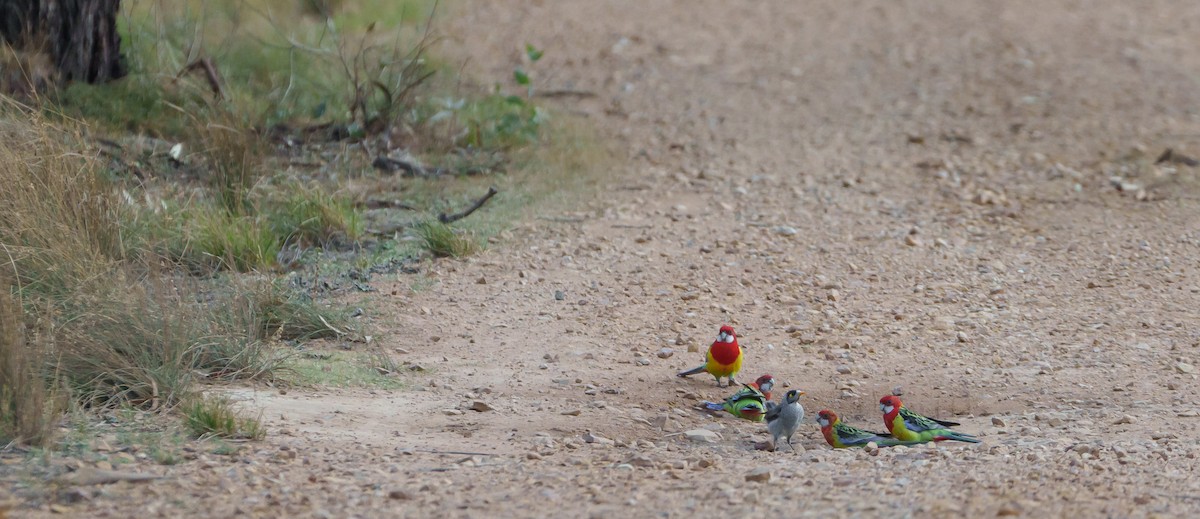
(278, 62)
(311, 216)
(443, 241)
(343, 369)
(206, 237)
(290, 315)
(217, 239)
(215, 416)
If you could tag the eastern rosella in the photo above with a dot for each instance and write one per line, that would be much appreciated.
(909, 426)
(748, 403)
(783, 419)
(764, 384)
(841, 436)
(724, 357)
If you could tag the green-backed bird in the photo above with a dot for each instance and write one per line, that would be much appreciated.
(909, 426)
(841, 436)
(748, 403)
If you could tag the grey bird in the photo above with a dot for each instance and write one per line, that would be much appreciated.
(784, 418)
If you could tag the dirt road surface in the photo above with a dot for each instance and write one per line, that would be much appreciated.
(956, 198)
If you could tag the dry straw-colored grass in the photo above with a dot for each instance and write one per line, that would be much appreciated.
(60, 227)
(28, 401)
(126, 329)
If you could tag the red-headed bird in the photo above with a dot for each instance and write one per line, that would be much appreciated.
(909, 426)
(764, 384)
(840, 436)
(748, 403)
(724, 357)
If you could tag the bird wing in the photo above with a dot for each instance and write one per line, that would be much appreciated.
(748, 392)
(773, 411)
(748, 409)
(853, 436)
(917, 423)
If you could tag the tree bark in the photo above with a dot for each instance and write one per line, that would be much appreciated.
(80, 36)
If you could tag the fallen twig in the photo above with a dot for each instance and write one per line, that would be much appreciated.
(458, 453)
(1169, 155)
(304, 164)
(210, 73)
(565, 92)
(88, 476)
(390, 165)
(387, 204)
(563, 219)
(330, 326)
(478, 203)
(109, 143)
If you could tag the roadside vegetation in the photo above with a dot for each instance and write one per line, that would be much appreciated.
(206, 218)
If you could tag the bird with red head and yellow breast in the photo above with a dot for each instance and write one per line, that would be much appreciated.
(724, 358)
(764, 384)
(906, 425)
(842, 436)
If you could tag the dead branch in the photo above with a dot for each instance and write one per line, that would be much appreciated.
(109, 143)
(210, 73)
(563, 219)
(478, 203)
(390, 165)
(1170, 155)
(386, 204)
(565, 92)
(457, 453)
(330, 326)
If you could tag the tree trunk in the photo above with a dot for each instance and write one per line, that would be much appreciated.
(80, 36)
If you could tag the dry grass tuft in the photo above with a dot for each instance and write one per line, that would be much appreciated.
(60, 227)
(128, 327)
(235, 158)
(442, 241)
(28, 405)
(216, 416)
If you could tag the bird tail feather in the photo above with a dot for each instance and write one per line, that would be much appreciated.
(692, 371)
(957, 436)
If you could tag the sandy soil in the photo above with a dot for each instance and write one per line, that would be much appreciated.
(898, 193)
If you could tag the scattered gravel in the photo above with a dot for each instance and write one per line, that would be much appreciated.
(1032, 289)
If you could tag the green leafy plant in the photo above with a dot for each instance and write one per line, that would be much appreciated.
(520, 76)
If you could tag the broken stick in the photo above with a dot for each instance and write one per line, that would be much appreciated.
(210, 74)
(478, 203)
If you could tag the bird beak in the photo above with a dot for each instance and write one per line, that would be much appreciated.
(801, 393)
